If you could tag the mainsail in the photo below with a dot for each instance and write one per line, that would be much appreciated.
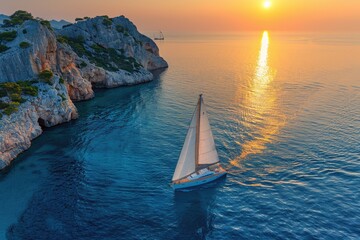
(207, 148)
(199, 146)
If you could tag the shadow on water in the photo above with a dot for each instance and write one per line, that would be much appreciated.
(195, 211)
(53, 206)
(56, 207)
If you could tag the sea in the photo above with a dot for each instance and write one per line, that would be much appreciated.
(285, 114)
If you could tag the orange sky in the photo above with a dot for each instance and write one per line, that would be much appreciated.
(205, 15)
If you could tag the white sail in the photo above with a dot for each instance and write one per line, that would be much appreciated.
(207, 148)
(186, 162)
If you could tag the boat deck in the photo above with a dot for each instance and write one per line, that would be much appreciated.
(202, 173)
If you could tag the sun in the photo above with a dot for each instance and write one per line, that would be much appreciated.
(267, 4)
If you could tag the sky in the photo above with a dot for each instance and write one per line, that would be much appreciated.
(205, 15)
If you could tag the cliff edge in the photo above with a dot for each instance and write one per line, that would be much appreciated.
(42, 71)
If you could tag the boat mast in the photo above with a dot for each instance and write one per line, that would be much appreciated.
(198, 133)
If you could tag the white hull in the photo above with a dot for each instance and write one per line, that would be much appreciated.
(199, 181)
(203, 176)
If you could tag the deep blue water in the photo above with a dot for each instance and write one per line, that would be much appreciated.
(285, 113)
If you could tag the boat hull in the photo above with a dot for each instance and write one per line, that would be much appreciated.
(199, 181)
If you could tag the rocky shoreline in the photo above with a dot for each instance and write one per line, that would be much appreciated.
(42, 71)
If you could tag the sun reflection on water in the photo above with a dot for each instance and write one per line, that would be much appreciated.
(262, 118)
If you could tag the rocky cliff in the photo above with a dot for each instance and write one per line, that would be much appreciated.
(42, 71)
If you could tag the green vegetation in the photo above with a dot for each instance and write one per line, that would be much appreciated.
(15, 97)
(46, 23)
(11, 87)
(78, 19)
(83, 64)
(24, 44)
(8, 36)
(3, 105)
(14, 91)
(86, 18)
(25, 87)
(97, 48)
(63, 98)
(24, 31)
(138, 42)
(77, 44)
(13, 107)
(122, 30)
(17, 18)
(110, 59)
(107, 58)
(46, 76)
(61, 81)
(28, 89)
(62, 39)
(3, 48)
(106, 21)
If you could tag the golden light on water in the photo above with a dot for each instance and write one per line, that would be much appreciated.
(262, 117)
(262, 69)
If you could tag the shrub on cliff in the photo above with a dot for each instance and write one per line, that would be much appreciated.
(3, 48)
(13, 107)
(46, 76)
(27, 88)
(8, 36)
(77, 44)
(14, 91)
(3, 105)
(11, 87)
(62, 39)
(17, 18)
(15, 97)
(46, 23)
(107, 21)
(24, 44)
(83, 64)
(122, 30)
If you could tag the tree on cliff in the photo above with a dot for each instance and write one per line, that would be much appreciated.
(17, 18)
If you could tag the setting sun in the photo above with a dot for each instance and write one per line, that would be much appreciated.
(267, 4)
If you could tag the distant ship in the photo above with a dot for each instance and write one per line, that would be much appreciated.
(160, 37)
(199, 161)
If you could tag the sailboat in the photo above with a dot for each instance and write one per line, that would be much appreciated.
(199, 161)
(160, 37)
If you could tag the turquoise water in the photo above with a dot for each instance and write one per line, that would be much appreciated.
(285, 113)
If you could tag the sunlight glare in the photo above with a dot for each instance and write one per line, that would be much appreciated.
(267, 4)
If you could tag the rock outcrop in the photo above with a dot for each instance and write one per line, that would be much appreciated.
(52, 106)
(129, 55)
(97, 52)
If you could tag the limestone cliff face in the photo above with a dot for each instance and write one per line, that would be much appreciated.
(43, 53)
(98, 52)
(116, 40)
(52, 106)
